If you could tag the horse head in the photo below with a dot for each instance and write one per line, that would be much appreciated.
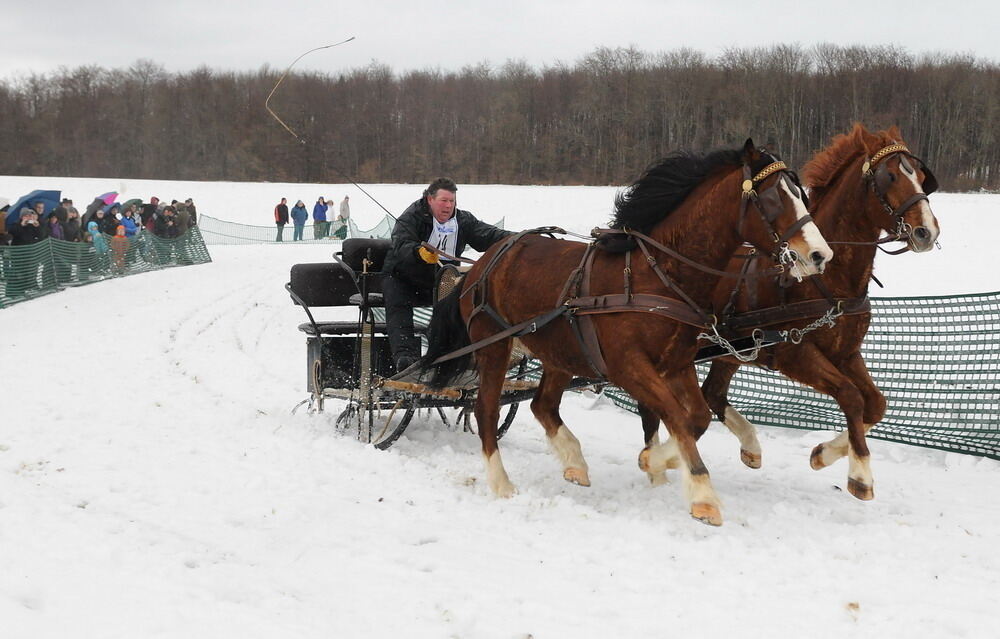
(901, 182)
(782, 225)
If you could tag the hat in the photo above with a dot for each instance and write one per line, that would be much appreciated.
(154, 200)
(26, 211)
(66, 200)
(120, 230)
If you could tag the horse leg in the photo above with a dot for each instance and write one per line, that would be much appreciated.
(678, 401)
(716, 392)
(545, 406)
(491, 362)
(810, 366)
(651, 435)
(843, 444)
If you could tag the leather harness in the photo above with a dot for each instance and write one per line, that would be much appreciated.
(577, 303)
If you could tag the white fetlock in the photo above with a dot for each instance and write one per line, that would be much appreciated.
(567, 448)
(496, 477)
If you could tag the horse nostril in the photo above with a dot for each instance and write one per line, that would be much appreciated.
(922, 234)
(817, 258)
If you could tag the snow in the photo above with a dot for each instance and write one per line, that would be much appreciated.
(154, 483)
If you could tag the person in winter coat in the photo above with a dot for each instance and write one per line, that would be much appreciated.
(281, 218)
(71, 229)
(55, 229)
(27, 231)
(119, 250)
(148, 212)
(320, 225)
(100, 245)
(129, 222)
(23, 272)
(193, 211)
(89, 212)
(342, 218)
(166, 224)
(183, 219)
(299, 218)
(410, 268)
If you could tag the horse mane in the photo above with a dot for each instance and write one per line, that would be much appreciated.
(820, 171)
(665, 184)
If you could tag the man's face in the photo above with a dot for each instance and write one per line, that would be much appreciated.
(39, 208)
(442, 205)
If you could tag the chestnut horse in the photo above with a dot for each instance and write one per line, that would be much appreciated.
(692, 208)
(861, 185)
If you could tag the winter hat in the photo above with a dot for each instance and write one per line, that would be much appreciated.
(120, 230)
(26, 211)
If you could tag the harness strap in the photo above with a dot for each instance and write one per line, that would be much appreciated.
(524, 328)
(672, 285)
(805, 309)
(641, 303)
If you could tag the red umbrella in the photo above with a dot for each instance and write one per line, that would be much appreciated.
(109, 197)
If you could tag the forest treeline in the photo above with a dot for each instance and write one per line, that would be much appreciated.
(600, 120)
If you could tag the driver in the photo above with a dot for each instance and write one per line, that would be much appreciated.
(410, 268)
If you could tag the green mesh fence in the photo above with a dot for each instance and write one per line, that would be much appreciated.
(51, 265)
(936, 359)
(216, 231)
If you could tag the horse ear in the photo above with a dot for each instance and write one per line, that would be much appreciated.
(749, 150)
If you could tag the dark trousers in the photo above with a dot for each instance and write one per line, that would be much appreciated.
(281, 231)
(400, 298)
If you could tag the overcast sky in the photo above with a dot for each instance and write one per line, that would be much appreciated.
(42, 35)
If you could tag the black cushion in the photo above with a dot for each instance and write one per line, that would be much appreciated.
(374, 299)
(322, 284)
(338, 328)
(356, 249)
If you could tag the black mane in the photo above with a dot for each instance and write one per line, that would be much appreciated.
(664, 185)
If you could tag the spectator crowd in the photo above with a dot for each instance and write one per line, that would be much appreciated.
(323, 219)
(64, 222)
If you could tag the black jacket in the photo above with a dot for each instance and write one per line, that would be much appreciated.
(22, 234)
(414, 226)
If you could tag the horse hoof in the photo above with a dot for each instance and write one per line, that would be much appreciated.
(505, 490)
(644, 460)
(577, 476)
(706, 514)
(860, 490)
(658, 479)
(816, 458)
(750, 460)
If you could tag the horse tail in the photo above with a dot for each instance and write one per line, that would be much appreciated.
(446, 334)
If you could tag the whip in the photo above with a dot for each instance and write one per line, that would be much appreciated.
(299, 138)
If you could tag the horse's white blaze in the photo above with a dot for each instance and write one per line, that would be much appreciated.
(927, 219)
(567, 448)
(743, 429)
(496, 476)
(810, 235)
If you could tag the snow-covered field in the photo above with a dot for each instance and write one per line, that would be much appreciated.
(153, 482)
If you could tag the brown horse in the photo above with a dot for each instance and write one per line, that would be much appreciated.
(861, 185)
(691, 206)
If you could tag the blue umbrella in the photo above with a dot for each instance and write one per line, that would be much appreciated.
(49, 198)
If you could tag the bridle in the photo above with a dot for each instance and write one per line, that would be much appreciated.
(876, 175)
(768, 204)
